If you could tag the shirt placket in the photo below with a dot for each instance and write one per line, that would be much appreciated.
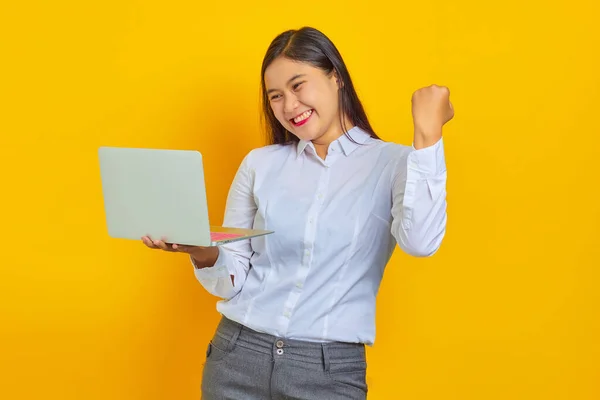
(310, 230)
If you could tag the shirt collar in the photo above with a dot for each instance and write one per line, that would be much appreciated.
(348, 146)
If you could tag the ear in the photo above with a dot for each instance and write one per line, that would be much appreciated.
(338, 80)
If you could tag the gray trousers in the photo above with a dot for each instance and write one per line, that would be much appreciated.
(242, 364)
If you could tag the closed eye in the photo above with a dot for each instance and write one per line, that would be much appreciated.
(297, 85)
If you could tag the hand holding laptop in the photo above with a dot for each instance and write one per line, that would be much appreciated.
(204, 256)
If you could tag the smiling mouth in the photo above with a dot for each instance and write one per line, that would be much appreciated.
(302, 118)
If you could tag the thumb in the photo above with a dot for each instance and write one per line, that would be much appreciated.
(181, 248)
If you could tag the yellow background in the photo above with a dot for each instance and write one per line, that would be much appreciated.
(509, 307)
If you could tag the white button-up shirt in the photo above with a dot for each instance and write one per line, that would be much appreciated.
(336, 223)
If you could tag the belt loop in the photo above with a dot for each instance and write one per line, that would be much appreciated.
(234, 337)
(325, 357)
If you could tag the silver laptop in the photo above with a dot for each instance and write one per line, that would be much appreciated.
(160, 193)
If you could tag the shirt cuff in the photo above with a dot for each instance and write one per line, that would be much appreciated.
(428, 161)
(218, 270)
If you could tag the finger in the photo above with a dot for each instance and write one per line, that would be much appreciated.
(161, 245)
(148, 242)
(182, 248)
(168, 246)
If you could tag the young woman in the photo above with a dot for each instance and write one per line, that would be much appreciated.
(299, 305)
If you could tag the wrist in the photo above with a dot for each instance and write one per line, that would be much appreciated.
(205, 257)
(425, 138)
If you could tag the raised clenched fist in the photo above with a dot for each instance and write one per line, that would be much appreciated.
(431, 109)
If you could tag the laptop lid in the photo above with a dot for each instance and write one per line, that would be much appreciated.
(155, 192)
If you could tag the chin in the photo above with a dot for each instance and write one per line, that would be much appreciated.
(305, 134)
(307, 130)
(309, 133)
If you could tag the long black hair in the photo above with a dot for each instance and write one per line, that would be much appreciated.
(312, 46)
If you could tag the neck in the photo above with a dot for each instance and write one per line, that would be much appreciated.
(322, 143)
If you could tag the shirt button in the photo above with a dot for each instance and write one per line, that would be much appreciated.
(286, 314)
(299, 285)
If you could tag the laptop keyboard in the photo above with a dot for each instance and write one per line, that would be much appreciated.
(216, 236)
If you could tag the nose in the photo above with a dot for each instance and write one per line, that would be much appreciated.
(290, 103)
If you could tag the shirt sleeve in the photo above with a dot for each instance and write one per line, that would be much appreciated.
(234, 258)
(419, 201)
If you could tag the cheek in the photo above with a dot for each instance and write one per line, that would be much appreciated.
(277, 109)
(319, 99)
(309, 99)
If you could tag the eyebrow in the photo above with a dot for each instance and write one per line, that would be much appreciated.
(289, 80)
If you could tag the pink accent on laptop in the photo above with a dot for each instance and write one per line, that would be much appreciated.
(216, 236)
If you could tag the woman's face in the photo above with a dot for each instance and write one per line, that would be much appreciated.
(304, 99)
